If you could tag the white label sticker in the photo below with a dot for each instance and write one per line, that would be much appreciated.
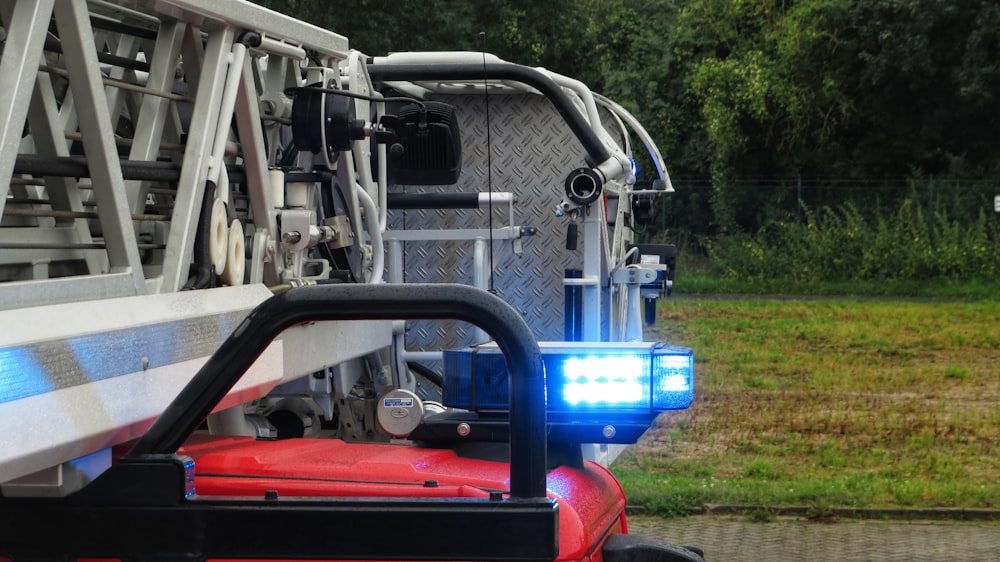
(649, 258)
(397, 403)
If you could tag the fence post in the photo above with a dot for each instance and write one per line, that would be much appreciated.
(798, 207)
(930, 195)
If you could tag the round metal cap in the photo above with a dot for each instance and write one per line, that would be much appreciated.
(399, 412)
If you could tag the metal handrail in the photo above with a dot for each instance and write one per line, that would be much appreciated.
(596, 151)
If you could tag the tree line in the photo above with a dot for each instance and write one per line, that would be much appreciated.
(824, 89)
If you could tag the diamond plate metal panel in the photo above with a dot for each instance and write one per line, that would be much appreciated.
(531, 152)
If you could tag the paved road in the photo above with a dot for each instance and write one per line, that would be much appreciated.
(733, 539)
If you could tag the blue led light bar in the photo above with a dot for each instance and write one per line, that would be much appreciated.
(580, 377)
(603, 379)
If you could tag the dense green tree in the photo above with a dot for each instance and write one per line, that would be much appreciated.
(737, 88)
(642, 59)
(378, 27)
(845, 88)
(548, 34)
(928, 82)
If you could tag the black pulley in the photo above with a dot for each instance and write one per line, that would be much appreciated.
(323, 121)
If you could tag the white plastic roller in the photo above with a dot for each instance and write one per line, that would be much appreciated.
(235, 255)
(218, 237)
(277, 178)
(297, 194)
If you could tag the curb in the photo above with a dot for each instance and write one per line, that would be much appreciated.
(881, 513)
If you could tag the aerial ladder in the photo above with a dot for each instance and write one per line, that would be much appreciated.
(221, 226)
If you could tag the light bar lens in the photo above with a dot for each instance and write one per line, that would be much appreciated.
(617, 381)
(673, 381)
(579, 377)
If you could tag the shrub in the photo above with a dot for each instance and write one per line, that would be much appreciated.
(842, 245)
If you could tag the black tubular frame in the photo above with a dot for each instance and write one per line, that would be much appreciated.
(374, 302)
(167, 172)
(142, 508)
(596, 151)
(432, 201)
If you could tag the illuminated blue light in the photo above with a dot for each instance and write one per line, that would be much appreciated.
(592, 378)
(614, 381)
(189, 477)
(673, 381)
(633, 168)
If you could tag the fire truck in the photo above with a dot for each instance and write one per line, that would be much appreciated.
(263, 296)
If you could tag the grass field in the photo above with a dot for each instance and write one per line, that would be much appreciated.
(826, 403)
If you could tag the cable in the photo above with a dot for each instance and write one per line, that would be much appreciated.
(346, 94)
(426, 372)
(489, 157)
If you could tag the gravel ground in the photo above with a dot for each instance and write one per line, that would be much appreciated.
(732, 538)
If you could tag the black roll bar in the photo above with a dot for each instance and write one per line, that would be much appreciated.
(374, 302)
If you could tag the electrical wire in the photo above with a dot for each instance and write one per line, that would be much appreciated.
(332, 91)
(489, 158)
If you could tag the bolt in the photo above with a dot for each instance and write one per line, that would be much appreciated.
(463, 429)
(608, 431)
(291, 237)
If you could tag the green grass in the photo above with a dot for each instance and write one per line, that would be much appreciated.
(840, 402)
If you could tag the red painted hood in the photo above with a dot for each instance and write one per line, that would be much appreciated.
(591, 502)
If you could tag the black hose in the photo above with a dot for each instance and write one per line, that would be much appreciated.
(204, 274)
(166, 172)
(426, 372)
(596, 151)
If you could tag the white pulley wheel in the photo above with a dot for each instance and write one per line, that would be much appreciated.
(235, 256)
(218, 237)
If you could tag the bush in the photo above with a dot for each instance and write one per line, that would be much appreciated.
(842, 245)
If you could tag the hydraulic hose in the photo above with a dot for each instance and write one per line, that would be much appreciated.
(202, 277)
(597, 152)
(371, 220)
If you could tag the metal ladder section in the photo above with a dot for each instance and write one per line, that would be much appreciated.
(112, 127)
(116, 119)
